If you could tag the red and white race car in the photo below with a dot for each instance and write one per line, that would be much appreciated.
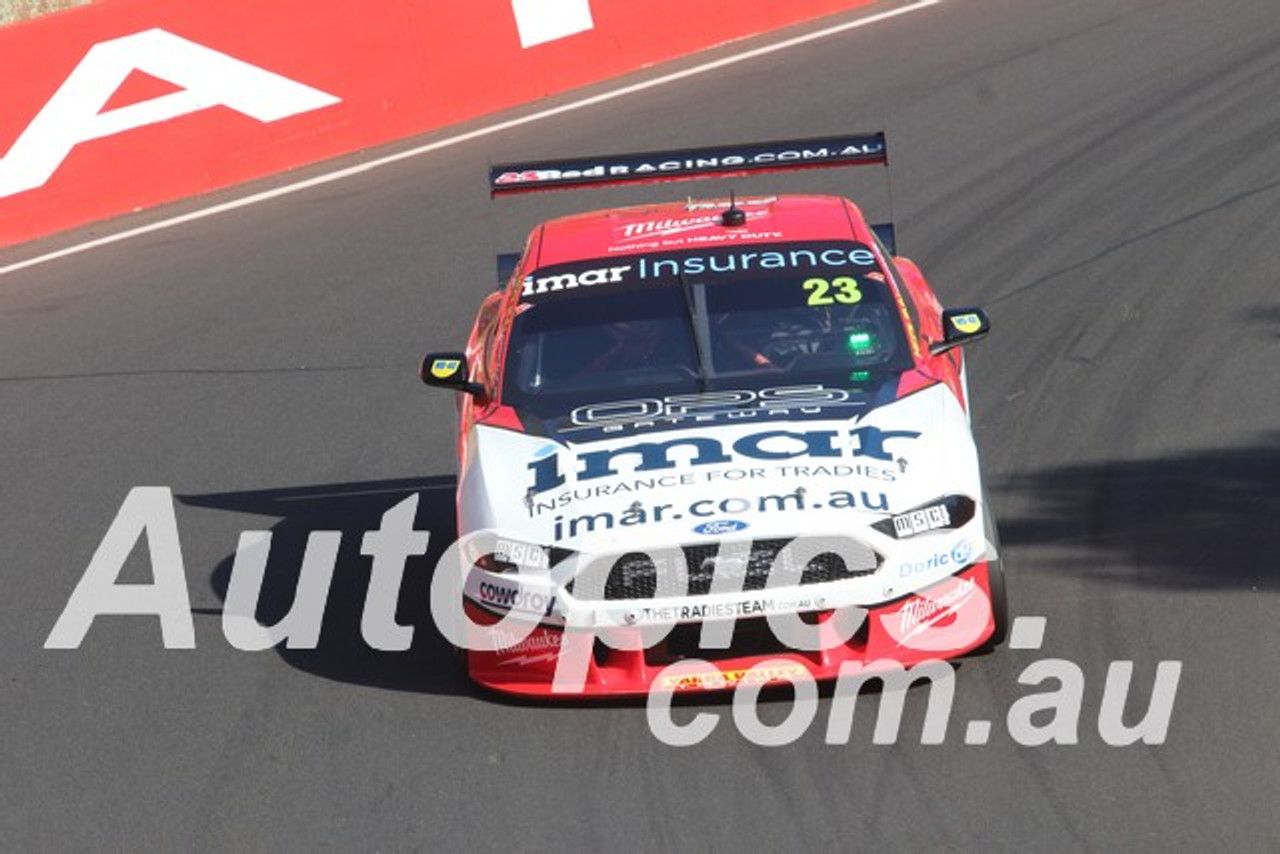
(717, 433)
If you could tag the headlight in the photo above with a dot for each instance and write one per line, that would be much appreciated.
(948, 512)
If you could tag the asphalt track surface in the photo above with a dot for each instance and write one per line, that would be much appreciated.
(1102, 176)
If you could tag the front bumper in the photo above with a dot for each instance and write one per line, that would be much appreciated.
(945, 620)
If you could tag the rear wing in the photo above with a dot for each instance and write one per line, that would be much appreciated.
(688, 164)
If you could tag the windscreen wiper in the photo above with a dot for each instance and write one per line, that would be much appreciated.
(704, 358)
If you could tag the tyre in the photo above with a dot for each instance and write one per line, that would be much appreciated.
(996, 582)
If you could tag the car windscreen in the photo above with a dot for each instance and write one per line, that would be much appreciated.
(689, 321)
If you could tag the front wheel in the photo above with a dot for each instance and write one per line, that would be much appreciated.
(996, 583)
(999, 605)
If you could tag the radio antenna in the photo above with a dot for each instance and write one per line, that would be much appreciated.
(734, 216)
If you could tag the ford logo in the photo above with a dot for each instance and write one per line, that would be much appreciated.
(720, 526)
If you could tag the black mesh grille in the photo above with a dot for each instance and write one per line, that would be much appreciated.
(635, 575)
(751, 637)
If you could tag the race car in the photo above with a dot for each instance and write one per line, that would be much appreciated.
(712, 443)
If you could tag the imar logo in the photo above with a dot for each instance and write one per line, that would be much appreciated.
(568, 281)
(768, 445)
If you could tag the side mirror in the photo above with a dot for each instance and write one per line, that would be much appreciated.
(448, 370)
(960, 326)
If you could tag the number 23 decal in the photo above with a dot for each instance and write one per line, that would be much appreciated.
(842, 290)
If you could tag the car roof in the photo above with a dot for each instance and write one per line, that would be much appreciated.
(681, 225)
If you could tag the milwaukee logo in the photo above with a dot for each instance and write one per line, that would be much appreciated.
(666, 227)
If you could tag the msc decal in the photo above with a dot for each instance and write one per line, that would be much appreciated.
(522, 554)
(206, 77)
(921, 521)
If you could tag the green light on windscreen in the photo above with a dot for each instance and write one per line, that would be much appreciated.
(860, 376)
(861, 342)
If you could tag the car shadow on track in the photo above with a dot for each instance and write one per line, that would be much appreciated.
(1206, 519)
(429, 665)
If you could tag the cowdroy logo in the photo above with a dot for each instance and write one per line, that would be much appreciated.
(502, 596)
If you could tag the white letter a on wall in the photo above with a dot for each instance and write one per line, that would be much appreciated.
(207, 78)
